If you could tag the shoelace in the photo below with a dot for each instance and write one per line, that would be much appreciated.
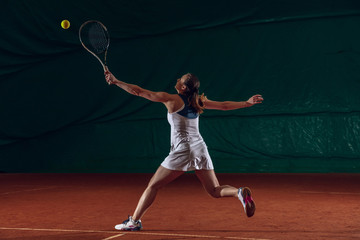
(126, 221)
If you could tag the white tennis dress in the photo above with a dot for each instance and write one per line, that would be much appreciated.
(188, 150)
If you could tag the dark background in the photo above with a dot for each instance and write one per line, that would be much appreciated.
(59, 115)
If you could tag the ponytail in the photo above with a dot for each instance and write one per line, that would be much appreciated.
(195, 100)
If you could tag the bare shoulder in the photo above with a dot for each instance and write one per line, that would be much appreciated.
(168, 97)
(156, 96)
(171, 96)
(174, 103)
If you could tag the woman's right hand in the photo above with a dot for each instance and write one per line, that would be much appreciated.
(109, 77)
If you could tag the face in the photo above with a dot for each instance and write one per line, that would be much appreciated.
(180, 86)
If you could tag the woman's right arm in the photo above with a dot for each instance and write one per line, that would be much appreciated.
(138, 91)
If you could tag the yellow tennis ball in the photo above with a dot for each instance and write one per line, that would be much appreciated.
(65, 24)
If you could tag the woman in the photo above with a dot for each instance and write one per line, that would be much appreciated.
(188, 150)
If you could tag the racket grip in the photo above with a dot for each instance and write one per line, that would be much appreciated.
(106, 69)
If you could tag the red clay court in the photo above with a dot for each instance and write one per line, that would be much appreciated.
(87, 206)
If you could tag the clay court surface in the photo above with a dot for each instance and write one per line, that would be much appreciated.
(87, 206)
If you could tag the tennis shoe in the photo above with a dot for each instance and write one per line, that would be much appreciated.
(129, 225)
(245, 198)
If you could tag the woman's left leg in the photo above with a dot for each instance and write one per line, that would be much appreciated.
(162, 177)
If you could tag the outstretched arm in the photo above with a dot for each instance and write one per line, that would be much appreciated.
(136, 90)
(231, 105)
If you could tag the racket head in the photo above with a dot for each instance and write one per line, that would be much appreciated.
(95, 38)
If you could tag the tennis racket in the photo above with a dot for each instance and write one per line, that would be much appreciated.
(94, 37)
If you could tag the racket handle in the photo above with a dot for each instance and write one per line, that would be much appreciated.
(106, 69)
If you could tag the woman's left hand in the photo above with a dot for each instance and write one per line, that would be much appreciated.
(256, 99)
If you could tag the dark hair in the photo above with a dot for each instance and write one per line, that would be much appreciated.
(192, 84)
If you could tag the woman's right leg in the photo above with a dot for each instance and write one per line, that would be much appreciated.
(211, 184)
(161, 177)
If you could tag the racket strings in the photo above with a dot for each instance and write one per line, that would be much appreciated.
(97, 38)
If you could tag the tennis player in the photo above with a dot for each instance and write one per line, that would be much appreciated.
(188, 150)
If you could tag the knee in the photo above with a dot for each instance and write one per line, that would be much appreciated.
(215, 192)
(153, 187)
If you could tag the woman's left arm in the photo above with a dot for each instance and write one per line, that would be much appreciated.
(232, 105)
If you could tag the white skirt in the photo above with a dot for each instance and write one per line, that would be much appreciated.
(188, 157)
